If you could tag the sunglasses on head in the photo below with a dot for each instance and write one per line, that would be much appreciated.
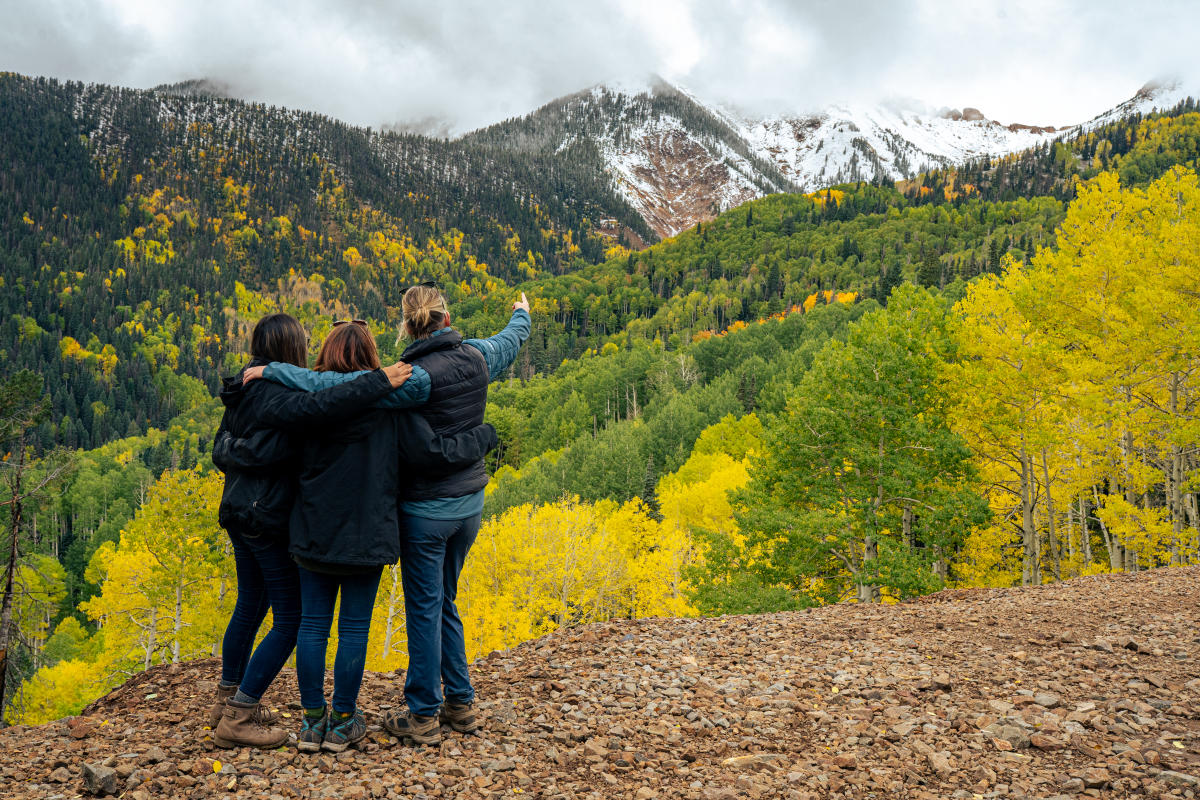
(362, 322)
(427, 285)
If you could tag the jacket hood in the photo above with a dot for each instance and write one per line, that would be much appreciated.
(233, 389)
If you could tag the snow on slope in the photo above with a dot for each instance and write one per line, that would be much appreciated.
(1154, 96)
(847, 143)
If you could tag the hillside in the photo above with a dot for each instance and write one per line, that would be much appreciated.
(1087, 686)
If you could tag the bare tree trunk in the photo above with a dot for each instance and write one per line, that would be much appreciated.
(1116, 551)
(1055, 547)
(178, 617)
(10, 569)
(1030, 575)
(1085, 537)
(868, 593)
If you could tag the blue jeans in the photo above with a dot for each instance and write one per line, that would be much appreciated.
(432, 556)
(319, 592)
(266, 579)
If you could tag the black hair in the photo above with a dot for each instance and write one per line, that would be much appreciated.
(280, 337)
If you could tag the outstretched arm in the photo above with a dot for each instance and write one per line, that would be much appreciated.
(413, 392)
(423, 449)
(296, 410)
(500, 351)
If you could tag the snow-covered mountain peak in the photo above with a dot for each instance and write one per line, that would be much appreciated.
(679, 159)
(1157, 95)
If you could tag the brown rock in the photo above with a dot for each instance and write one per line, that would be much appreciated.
(1043, 742)
(846, 761)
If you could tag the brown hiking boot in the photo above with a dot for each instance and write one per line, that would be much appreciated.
(218, 707)
(459, 716)
(412, 728)
(238, 728)
(262, 716)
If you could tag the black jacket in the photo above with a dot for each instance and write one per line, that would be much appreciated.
(259, 459)
(345, 511)
(457, 400)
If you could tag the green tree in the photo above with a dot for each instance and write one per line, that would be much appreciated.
(863, 487)
(22, 408)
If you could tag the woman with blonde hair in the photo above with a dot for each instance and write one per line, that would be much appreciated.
(440, 514)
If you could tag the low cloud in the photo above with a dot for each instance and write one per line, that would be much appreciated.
(447, 67)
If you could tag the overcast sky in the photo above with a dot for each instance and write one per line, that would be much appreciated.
(452, 65)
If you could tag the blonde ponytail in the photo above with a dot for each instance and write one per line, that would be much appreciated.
(424, 311)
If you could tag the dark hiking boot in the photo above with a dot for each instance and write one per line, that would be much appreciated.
(262, 716)
(238, 728)
(459, 716)
(341, 733)
(412, 728)
(312, 732)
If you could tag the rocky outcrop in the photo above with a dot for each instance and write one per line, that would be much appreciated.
(1089, 687)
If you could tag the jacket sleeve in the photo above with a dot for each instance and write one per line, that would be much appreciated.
(423, 449)
(264, 448)
(298, 410)
(500, 351)
(413, 392)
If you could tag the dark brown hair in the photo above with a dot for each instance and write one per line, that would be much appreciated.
(424, 311)
(348, 348)
(280, 337)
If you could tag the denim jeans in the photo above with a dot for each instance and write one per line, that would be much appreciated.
(319, 592)
(432, 556)
(266, 579)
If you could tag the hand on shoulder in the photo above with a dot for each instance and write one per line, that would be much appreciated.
(252, 373)
(398, 373)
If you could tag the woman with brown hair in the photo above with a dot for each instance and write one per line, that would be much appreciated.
(258, 460)
(345, 529)
(441, 513)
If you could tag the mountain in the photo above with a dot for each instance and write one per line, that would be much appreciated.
(679, 160)
(674, 160)
(146, 231)
(845, 144)
(1157, 95)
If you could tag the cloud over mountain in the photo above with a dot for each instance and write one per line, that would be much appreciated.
(459, 64)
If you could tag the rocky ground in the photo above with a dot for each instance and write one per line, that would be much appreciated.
(1089, 688)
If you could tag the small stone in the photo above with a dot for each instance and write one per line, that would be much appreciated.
(60, 775)
(1095, 778)
(846, 761)
(753, 760)
(99, 780)
(1047, 700)
(1179, 779)
(154, 755)
(940, 763)
(1043, 742)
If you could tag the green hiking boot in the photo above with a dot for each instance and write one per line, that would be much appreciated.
(341, 733)
(312, 732)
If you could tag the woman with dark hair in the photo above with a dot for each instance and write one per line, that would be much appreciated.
(258, 461)
(441, 513)
(345, 529)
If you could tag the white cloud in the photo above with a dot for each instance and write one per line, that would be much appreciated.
(458, 64)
